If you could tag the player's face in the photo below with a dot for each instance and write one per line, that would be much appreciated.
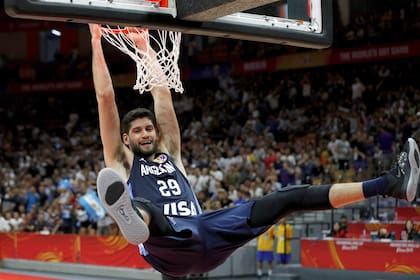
(142, 137)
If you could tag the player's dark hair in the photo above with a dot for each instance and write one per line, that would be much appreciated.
(135, 114)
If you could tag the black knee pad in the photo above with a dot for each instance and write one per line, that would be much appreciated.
(144, 204)
(159, 224)
(287, 200)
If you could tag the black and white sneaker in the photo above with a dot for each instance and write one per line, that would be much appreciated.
(114, 196)
(403, 178)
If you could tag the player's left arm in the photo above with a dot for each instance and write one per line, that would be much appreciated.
(170, 135)
(169, 132)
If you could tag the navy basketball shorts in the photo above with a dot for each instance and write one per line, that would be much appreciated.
(214, 237)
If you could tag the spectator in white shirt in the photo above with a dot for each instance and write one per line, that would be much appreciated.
(4, 225)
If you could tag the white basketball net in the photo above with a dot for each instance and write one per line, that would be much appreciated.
(167, 54)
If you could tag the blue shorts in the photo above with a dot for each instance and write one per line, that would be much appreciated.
(265, 256)
(284, 258)
(214, 237)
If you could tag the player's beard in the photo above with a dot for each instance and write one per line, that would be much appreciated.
(137, 150)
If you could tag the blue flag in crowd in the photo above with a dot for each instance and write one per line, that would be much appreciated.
(93, 207)
(65, 183)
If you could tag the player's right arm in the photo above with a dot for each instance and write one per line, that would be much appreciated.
(116, 154)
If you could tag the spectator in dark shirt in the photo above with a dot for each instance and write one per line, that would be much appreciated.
(409, 232)
(222, 196)
(343, 222)
(337, 231)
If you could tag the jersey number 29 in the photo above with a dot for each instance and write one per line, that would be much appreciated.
(169, 187)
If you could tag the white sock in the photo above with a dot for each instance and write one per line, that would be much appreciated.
(259, 272)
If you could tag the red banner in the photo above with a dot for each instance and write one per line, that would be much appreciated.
(374, 53)
(254, 66)
(97, 250)
(407, 213)
(52, 248)
(58, 86)
(7, 245)
(111, 251)
(326, 57)
(353, 254)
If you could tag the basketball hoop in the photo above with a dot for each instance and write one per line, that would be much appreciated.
(164, 56)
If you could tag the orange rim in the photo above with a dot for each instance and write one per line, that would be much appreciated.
(125, 30)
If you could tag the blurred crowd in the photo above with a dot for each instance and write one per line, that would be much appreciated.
(243, 137)
(385, 23)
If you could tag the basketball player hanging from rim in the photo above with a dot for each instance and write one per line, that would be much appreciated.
(144, 186)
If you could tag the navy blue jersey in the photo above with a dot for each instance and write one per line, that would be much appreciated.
(161, 182)
(214, 235)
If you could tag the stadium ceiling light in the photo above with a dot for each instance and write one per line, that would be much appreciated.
(56, 32)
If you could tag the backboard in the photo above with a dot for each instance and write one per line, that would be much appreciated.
(304, 23)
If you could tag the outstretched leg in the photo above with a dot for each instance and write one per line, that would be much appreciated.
(399, 182)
